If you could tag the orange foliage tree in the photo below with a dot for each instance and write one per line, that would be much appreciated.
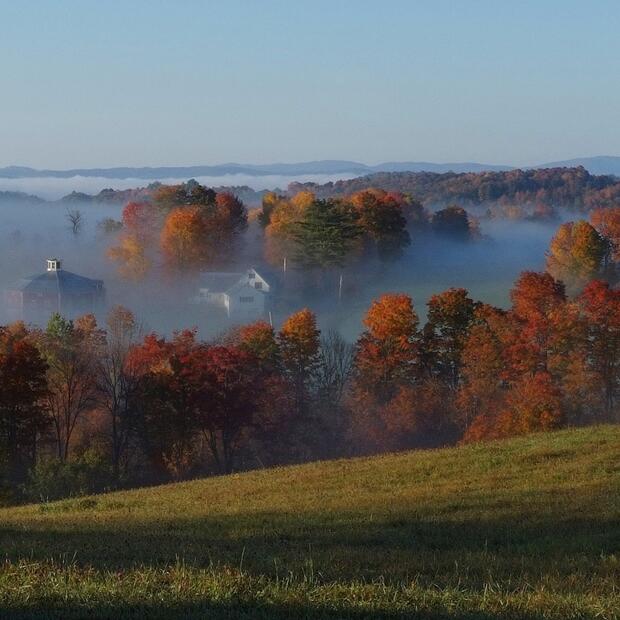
(578, 254)
(607, 222)
(299, 341)
(259, 339)
(282, 217)
(482, 373)
(387, 351)
(130, 254)
(139, 227)
(381, 217)
(184, 238)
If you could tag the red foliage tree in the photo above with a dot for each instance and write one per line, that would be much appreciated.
(23, 386)
(139, 219)
(601, 307)
(223, 387)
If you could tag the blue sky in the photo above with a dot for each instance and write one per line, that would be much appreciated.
(86, 83)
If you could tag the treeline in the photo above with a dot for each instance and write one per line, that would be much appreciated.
(84, 409)
(373, 223)
(191, 227)
(514, 193)
(181, 227)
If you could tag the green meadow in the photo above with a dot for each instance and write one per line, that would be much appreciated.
(527, 528)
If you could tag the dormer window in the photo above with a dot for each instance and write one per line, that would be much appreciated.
(53, 264)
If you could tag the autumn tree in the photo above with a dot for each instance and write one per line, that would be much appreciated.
(269, 202)
(483, 367)
(272, 435)
(23, 387)
(452, 222)
(282, 222)
(537, 298)
(130, 254)
(532, 404)
(117, 383)
(231, 215)
(70, 353)
(601, 307)
(607, 223)
(184, 238)
(578, 254)
(202, 228)
(381, 218)
(415, 416)
(167, 425)
(168, 197)
(387, 351)
(450, 315)
(139, 219)
(222, 386)
(299, 340)
(259, 339)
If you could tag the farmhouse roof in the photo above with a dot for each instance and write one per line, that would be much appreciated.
(219, 282)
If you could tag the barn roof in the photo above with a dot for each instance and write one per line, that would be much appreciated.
(60, 281)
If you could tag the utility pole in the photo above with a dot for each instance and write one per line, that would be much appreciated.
(340, 289)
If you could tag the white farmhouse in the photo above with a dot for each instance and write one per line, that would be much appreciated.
(243, 296)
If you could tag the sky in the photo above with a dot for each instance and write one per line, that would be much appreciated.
(99, 84)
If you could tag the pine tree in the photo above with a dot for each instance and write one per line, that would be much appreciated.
(325, 236)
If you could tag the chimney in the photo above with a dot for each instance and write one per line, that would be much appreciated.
(53, 264)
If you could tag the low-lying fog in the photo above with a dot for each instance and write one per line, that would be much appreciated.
(487, 268)
(52, 189)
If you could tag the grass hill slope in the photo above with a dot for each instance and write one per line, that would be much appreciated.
(527, 528)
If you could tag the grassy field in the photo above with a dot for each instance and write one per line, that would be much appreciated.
(528, 528)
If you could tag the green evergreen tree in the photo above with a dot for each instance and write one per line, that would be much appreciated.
(325, 236)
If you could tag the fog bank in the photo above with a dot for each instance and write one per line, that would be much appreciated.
(52, 188)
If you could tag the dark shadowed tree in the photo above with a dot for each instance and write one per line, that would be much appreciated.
(117, 382)
(70, 352)
(23, 386)
(450, 315)
(452, 222)
(299, 341)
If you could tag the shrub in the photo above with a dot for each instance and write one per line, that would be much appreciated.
(52, 479)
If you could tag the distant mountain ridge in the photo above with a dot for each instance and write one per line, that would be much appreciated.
(603, 164)
(313, 167)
